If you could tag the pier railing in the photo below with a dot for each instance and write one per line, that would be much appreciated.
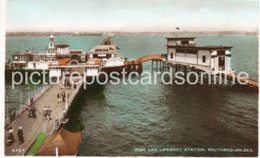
(19, 110)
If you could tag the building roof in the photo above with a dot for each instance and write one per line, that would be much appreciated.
(62, 45)
(201, 47)
(41, 54)
(216, 47)
(103, 48)
(24, 54)
(67, 143)
(76, 51)
(180, 38)
(63, 61)
(94, 61)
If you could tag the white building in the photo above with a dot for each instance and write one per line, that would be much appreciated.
(213, 59)
(93, 66)
(113, 62)
(57, 49)
(43, 65)
(63, 49)
(43, 57)
(55, 72)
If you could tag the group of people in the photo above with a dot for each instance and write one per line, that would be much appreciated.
(10, 136)
(62, 96)
(32, 112)
(47, 112)
(66, 84)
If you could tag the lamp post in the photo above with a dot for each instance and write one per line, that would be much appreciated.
(45, 123)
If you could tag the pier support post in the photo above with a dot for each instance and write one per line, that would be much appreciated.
(156, 65)
(184, 70)
(152, 64)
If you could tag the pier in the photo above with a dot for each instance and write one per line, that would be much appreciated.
(103, 56)
(33, 126)
(46, 97)
(107, 41)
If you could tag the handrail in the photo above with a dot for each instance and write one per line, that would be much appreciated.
(20, 110)
(146, 58)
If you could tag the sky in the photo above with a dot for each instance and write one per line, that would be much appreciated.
(132, 15)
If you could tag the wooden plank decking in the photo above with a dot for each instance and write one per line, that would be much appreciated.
(32, 126)
(250, 82)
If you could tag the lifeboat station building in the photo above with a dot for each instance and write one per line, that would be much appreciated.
(211, 59)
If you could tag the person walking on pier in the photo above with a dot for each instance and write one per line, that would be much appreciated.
(45, 112)
(63, 96)
(49, 111)
(68, 84)
(59, 97)
(68, 95)
(34, 112)
(10, 136)
(56, 122)
(30, 112)
(20, 135)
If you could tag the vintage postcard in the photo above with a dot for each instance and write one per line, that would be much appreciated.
(130, 78)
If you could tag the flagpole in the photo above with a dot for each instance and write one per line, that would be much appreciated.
(177, 28)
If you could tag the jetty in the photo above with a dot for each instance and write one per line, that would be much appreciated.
(181, 53)
(250, 82)
(33, 126)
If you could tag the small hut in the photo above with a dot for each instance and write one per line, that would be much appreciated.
(62, 142)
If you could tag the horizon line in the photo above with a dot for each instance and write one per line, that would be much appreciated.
(136, 31)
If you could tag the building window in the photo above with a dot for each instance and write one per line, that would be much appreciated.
(191, 51)
(203, 58)
(221, 52)
(180, 50)
(171, 55)
(185, 42)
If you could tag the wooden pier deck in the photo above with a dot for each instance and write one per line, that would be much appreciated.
(250, 82)
(160, 57)
(107, 41)
(33, 126)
